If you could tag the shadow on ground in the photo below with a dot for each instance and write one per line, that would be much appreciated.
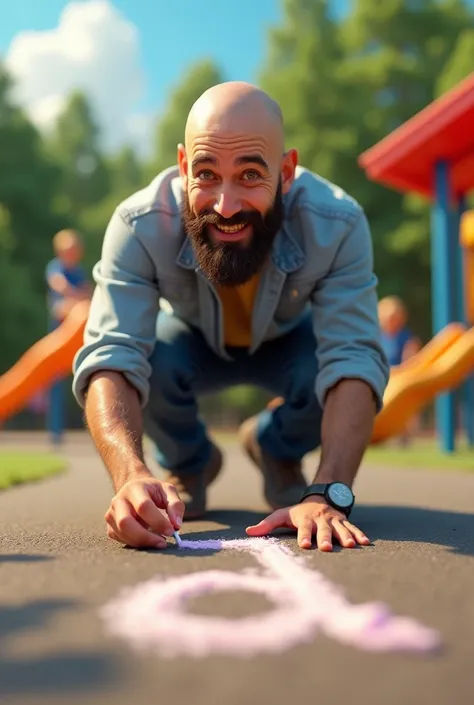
(453, 530)
(24, 558)
(58, 672)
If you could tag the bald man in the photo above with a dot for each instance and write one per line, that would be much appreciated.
(267, 269)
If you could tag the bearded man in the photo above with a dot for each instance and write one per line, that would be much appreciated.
(268, 270)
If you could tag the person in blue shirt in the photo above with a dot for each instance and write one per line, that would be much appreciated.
(398, 341)
(66, 278)
(399, 344)
(67, 284)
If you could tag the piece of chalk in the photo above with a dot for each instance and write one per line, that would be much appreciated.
(177, 537)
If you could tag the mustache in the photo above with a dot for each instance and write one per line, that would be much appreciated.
(249, 217)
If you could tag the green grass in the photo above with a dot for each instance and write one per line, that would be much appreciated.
(421, 454)
(424, 455)
(18, 467)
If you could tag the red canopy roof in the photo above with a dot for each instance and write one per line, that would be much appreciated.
(405, 159)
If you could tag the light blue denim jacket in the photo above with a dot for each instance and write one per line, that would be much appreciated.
(321, 261)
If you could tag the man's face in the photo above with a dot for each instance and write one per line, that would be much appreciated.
(233, 203)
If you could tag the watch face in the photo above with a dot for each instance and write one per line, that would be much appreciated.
(340, 494)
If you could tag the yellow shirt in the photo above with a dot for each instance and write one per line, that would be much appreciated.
(237, 304)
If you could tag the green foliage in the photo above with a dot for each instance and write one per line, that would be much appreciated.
(170, 127)
(28, 180)
(75, 146)
(126, 172)
(345, 85)
(460, 63)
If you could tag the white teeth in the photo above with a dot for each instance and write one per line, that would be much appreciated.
(231, 228)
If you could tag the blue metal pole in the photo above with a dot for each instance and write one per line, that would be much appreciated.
(56, 411)
(443, 293)
(55, 418)
(467, 390)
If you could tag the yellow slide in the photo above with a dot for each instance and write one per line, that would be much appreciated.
(49, 359)
(441, 365)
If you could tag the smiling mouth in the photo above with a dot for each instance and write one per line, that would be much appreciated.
(231, 228)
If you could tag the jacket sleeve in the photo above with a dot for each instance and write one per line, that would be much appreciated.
(345, 317)
(121, 329)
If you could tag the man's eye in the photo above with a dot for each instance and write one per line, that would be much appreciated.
(251, 175)
(205, 175)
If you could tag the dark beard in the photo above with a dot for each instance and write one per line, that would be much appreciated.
(229, 263)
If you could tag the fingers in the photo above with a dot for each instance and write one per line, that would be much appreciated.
(346, 533)
(359, 535)
(174, 505)
(305, 533)
(277, 520)
(141, 500)
(323, 534)
(124, 527)
(342, 533)
(142, 513)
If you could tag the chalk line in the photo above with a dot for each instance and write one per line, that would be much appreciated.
(152, 615)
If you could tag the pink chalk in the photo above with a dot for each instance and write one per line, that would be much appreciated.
(153, 615)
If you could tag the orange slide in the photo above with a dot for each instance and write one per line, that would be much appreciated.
(440, 365)
(443, 364)
(48, 359)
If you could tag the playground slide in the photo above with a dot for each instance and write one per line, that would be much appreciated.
(440, 365)
(49, 359)
(449, 360)
(431, 351)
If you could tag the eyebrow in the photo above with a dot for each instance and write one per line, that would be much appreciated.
(246, 159)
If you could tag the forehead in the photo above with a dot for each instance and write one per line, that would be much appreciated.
(230, 149)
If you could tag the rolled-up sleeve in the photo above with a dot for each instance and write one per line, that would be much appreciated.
(345, 317)
(121, 327)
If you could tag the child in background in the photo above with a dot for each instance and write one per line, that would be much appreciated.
(67, 284)
(66, 278)
(398, 341)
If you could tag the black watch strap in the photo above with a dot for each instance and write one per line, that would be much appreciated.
(320, 489)
(317, 489)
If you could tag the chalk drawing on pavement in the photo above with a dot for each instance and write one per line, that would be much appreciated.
(153, 616)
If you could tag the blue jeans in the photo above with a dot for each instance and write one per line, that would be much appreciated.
(184, 367)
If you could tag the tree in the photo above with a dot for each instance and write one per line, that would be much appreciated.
(28, 180)
(126, 172)
(75, 146)
(459, 65)
(344, 85)
(170, 128)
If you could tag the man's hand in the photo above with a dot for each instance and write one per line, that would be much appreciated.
(143, 511)
(313, 516)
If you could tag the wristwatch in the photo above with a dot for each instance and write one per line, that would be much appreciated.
(337, 494)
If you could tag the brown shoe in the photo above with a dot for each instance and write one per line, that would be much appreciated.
(192, 489)
(283, 480)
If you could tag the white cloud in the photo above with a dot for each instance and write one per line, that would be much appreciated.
(94, 48)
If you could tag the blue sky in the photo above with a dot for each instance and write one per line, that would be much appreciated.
(173, 33)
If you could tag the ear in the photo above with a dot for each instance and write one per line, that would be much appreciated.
(183, 164)
(289, 164)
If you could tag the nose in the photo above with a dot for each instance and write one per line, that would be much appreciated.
(227, 205)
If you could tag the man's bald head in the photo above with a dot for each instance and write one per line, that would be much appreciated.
(235, 173)
(235, 106)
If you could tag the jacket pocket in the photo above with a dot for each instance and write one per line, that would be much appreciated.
(294, 298)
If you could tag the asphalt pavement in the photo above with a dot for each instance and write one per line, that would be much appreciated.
(57, 570)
